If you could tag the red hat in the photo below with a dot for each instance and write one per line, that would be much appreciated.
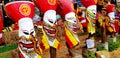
(88, 3)
(110, 8)
(19, 9)
(45, 5)
(64, 7)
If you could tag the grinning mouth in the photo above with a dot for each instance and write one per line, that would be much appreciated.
(49, 31)
(73, 28)
(27, 46)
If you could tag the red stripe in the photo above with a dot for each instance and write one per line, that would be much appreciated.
(0, 40)
(42, 46)
(68, 41)
(58, 47)
(21, 56)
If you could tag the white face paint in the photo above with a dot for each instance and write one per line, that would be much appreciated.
(92, 11)
(50, 17)
(71, 20)
(26, 45)
(49, 20)
(70, 17)
(111, 15)
(26, 27)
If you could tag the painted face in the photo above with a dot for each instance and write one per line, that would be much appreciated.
(27, 41)
(26, 27)
(71, 22)
(91, 11)
(49, 21)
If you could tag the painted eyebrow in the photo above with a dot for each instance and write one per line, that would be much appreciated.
(24, 30)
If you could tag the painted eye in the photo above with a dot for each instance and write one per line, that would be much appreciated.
(26, 33)
(50, 21)
(94, 13)
(32, 32)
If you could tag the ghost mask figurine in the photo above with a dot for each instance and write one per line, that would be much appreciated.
(90, 14)
(22, 13)
(91, 18)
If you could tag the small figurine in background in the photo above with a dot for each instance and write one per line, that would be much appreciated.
(91, 18)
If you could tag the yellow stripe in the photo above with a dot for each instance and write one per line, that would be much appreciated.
(39, 56)
(44, 41)
(56, 43)
(71, 37)
(110, 29)
(91, 29)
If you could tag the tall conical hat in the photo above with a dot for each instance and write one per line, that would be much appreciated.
(19, 9)
(88, 3)
(45, 5)
(64, 7)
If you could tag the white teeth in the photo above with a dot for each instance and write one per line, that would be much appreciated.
(28, 50)
(50, 34)
(28, 42)
(24, 48)
(31, 49)
(25, 42)
(51, 29)
(46, 27)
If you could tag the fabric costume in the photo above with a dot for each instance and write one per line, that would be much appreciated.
(1, 26)
(91, 18)
(22, 12)
(65, 9)
(49, 19)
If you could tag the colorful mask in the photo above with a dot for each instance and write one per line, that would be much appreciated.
(91, 8)
(23, 12)
(49, 21)
(91, 12)
(28, 43)
(71, 22)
